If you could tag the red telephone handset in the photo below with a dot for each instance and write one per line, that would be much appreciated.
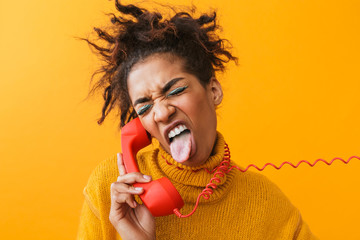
(160, 196)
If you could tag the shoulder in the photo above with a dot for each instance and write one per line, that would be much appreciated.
(104, 172)
(97, 189)
(259, 189)
(255, 181)
(256, 197)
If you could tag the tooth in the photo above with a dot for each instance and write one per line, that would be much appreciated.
(171, 134)
(185, 128)
(181, 128)
(177, 131)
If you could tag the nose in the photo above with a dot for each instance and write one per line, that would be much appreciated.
(163, 111)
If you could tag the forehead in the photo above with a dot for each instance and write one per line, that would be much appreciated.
(152, 73)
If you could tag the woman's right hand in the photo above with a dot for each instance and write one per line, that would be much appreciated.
(131, 220)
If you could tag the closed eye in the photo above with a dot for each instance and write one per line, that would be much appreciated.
(143, 109)
(176, 91)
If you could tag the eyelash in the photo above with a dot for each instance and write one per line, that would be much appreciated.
(143, 109)
(146, 107)
(176, 91)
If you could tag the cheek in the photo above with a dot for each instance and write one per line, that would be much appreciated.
(198, 109)
(149, 126)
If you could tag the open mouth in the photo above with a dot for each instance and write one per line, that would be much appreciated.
(177, 131)
(180, 141)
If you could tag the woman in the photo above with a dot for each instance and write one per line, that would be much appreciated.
(163, 72)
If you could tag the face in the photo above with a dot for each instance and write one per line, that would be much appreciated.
(175, 108)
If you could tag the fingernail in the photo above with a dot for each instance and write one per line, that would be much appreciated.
(118, 155)
(138, 188)
(135, 204)
(118, 179)
(147, 177)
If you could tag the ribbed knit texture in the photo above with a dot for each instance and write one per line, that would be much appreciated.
(243, 206)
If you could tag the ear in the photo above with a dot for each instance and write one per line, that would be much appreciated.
(215, 91)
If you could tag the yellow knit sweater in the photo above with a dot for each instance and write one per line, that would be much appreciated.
(243, 206)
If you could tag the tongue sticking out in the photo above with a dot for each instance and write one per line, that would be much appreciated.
(180, 147)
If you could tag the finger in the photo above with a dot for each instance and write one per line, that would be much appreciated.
(120, 164)
(122, 193)
(133, 177)
(118, 187)
(124, 199)
(118, 209)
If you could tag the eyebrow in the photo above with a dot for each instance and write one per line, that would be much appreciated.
(166, 88)
(169, 84)
(141, 100)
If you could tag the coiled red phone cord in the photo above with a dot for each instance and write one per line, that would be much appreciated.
(224, 168)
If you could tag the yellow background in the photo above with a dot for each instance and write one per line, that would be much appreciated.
(294, 96)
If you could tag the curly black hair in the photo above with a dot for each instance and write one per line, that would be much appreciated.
(138, 33)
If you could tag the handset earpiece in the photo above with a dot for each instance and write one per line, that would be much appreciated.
(160, 196)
